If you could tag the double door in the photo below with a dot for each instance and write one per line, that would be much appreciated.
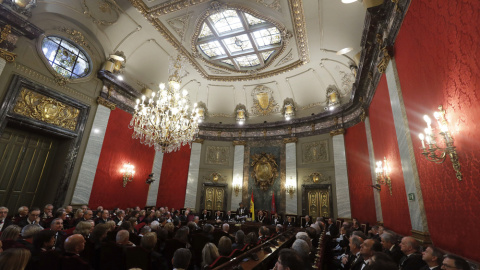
(319, 203)
(214, 198)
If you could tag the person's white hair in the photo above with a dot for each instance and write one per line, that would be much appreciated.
(122, 236)
(297, 236)
(301, 247)
(154, 225)
(225, 227)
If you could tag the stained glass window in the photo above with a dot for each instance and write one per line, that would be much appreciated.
(65, 57)
(238, 39)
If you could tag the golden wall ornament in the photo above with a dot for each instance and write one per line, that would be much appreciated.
(316, 178)
(60, 80)
(77, 37)
(106, 103)
(265, 170)
(46, 109)
(216, 176)
(7, 30)
(337, 132)
(8, 56)
(263, 101)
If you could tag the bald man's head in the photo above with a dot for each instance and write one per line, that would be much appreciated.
(74, 244)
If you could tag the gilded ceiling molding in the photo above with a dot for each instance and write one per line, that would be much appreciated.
(99, 10)
(217, 71)
(180, 24)
(296, 9)
(106, 103)
(337, 132)
(299, 29)
(275, 4)
(287, 58)
(290, 140)
(165, 8)
(5, 54)
(8, 56)
(239, 143)
(77, 37)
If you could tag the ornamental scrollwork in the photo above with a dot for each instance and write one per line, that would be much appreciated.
(42, 108)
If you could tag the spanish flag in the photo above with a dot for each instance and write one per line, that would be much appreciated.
(252, 207)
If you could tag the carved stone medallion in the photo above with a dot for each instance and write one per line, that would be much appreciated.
(315, 152)
(218, 155)
(265, 170)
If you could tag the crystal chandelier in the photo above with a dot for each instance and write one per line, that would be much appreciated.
(164, 120)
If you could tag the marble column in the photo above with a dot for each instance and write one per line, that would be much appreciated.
(291, 174)
(157, 170)
(376, 195)
(341, 177)
(416, 208)
(193, 171)
(237, 179)
(3, 62)
(83, 187)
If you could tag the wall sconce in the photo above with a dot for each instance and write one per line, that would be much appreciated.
(290, 187)
(288, 109)
(115, 63)
(237, 186)
(383, 174)
(240, 114)
(431, 149)
(150, 179)
(333, 100)
(127, 171)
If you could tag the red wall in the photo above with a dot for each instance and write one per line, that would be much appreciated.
(119, 148)
(359, 175)
(394, 207)
(173, 180)
(437, 54)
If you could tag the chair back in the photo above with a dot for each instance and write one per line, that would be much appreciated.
(137, 257)
(219, 261)
(235, 253)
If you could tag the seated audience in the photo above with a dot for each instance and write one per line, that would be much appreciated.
(307, 223)
(433, 257)
(209, 254)
(239, 240)
(74, 245)
(454, 262)
(27, 234)
(4, 221)
(412, 259)
(14, 259)
(33, 217)
(301, 247)
(225, 246)
(181, 259)
(390, 247)
(289, 222)
(288, 260)
(381, 261)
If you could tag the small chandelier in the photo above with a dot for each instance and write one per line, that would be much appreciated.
(383, 174)
(164, 120)
(128, 171)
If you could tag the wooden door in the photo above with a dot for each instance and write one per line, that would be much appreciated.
(319, 203)
(214, 198)
(24, 162)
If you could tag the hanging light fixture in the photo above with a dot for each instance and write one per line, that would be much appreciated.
(165, 120)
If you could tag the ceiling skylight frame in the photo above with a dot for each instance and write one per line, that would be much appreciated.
(248, 30)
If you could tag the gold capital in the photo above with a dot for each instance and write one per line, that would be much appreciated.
(106, 103)
(290, 140)
(337, 132)
(239, 143)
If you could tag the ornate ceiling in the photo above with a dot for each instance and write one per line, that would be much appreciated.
(151, 32)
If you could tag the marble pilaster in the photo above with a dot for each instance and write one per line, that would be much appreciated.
(193, 171)
(376, 195)
(291, 175)
(416, 208)
(341, 177)
(83, 187)
(237, 178)
(3, 62)
(157, 170)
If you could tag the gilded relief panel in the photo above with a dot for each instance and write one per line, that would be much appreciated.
(315, 152)
(42, 108)
(217, 155)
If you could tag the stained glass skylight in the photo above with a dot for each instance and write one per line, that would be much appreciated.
(237, 39)
(66, 58)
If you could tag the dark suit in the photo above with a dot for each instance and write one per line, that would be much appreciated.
(78, 220)
(6, 223)
(100, 221)
(23, 222)
(73, 262)
(307, 224)
(289, 224)
(227, 218)
(217, 217)
(333, 229)
(428, 268)
(357, 263)
(412, 262)
(261, 219)
(276, 221)
(242, 211)
(395, 253)
(205, 216)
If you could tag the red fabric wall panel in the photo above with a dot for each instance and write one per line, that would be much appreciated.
(394, 208)
(359, 175)
(437, 56)
(173, 181)
(119, 148)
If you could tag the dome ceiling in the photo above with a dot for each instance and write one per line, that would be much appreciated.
(299, 64)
